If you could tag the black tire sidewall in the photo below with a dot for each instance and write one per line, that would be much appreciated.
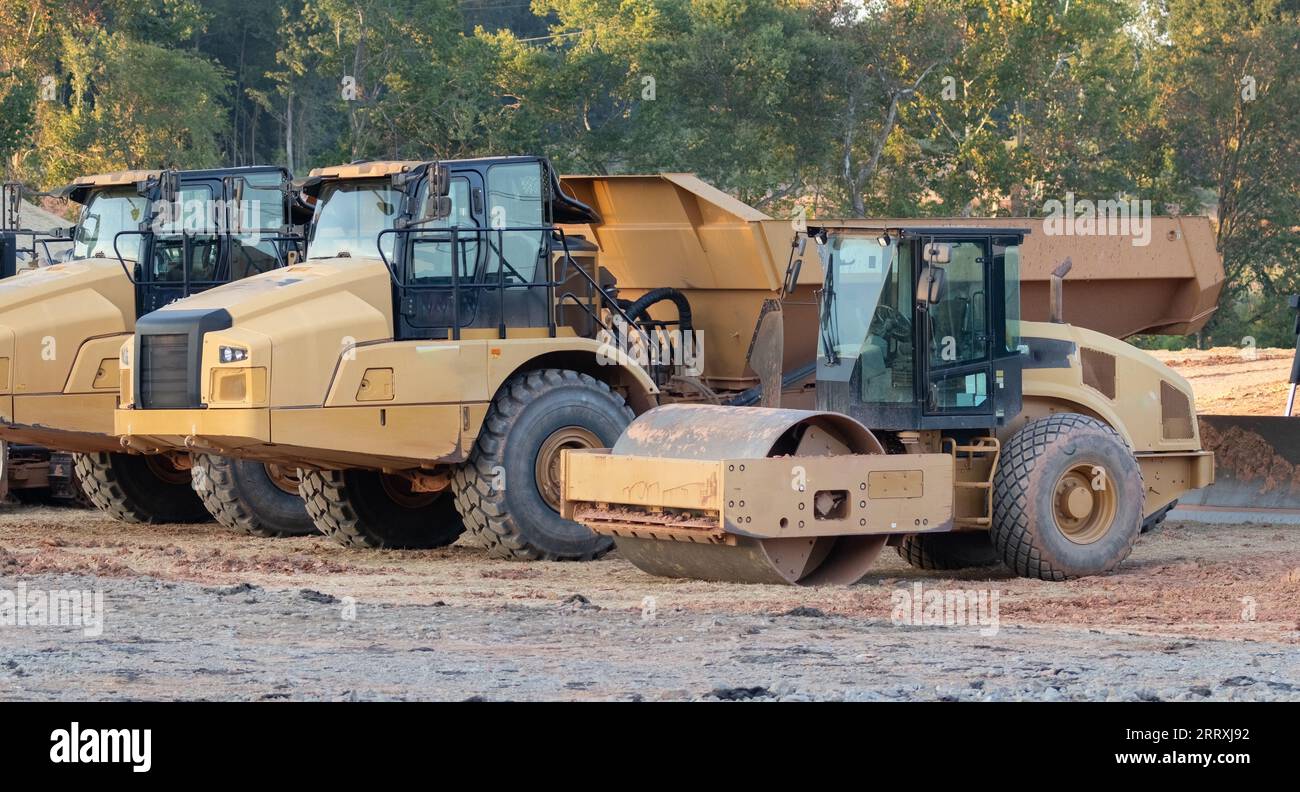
(957, 550)
(161, 501)
(568, 405)
(276, 509)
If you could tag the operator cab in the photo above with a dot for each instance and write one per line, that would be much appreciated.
(18, 245)
(471, 245)
(186, 231)
(920, 326)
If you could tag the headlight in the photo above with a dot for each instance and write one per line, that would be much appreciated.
(233, 354)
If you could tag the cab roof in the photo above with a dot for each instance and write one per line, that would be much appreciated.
(81, 187)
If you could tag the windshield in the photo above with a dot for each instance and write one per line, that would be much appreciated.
(109, 213)
(857, 270)
(349, 217)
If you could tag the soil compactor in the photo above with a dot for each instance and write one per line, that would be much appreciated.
(143, 240)
(1054, 442)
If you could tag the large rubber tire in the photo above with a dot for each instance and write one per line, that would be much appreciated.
(1036, 467)
(360, 508)
(138, 489)
(508, 512)
(242, 496)
(957, 550)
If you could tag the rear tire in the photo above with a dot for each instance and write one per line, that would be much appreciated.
(244, 496)
(959, 550)
(1067, 499)
(534, 416)
(139, 489)
(366, 508)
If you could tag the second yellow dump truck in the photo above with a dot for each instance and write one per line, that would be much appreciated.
(143, 240)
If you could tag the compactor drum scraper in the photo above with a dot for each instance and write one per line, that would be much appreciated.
(1041, 444)
(144, 239)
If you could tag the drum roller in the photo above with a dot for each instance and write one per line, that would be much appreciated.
(702, 432)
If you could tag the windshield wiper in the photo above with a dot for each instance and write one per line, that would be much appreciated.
(829, 326)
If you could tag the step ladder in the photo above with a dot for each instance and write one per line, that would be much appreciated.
(980, 447)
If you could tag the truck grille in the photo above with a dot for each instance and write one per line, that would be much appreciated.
(164, 372)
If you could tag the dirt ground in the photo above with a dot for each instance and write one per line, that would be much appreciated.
(1234, 381)
(194, 611)
(1197, 612)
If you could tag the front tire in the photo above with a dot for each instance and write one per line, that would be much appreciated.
(133, 488)
(250, 497)
(508, 490)
(366, 508)
(946, 551)
(1067, 499)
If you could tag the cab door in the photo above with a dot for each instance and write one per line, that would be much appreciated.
(958, 333)
(440, 263)
(183, 255)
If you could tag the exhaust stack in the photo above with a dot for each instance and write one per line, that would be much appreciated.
(1056, 308)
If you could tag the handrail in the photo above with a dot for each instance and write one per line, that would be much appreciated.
(187, 242)
(452, 235)
(43, 238)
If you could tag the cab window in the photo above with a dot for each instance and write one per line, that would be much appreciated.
(431, 248)
(514, 201)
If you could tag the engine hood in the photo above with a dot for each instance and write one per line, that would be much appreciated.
(296, 321)
(48, 314)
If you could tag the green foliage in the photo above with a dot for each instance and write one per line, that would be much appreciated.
(841, 107)
(17, 99)
(133, 105)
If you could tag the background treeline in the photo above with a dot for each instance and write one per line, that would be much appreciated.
(868, 107)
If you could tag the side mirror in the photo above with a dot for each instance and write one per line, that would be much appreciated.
(439, 180)
(929, 288)
(235, 211)
(169, 186)
(791, 277)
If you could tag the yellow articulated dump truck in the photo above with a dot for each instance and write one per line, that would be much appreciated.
(143, 240)
(947, 426)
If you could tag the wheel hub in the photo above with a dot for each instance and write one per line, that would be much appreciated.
(162, 466)
(399, 489)
(284, 478)
(1084, 504)
(547, 467)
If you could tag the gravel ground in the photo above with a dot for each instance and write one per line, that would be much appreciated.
(1198, 612)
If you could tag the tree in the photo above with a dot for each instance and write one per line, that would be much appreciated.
(133, 105)
(1230, 73)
